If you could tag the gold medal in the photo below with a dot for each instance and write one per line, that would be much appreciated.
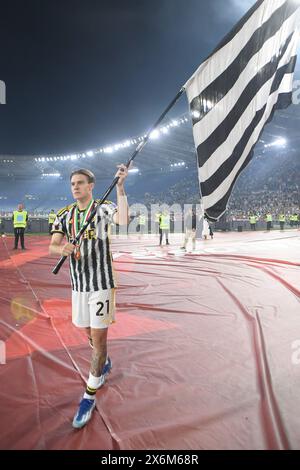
(77, 252)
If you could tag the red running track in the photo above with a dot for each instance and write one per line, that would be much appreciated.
(206, 348)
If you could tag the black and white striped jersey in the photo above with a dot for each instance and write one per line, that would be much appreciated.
(93, 271)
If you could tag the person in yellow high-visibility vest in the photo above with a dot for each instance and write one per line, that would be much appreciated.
(269, 220)
(164, 226)
(51, 219)
(252, 221)
(281, 219)
(293, 220)
(156, 220)
(20, 219)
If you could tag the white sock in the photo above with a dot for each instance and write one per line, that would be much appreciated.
(92, 386)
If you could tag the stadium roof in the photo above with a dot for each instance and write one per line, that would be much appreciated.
(173, 147)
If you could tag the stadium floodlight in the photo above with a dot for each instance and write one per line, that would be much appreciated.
(196, 114)
(90, 153)
(154, 134)
(281, 142)
(108, 150)
(165, 130)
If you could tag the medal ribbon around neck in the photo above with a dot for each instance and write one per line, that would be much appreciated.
(87, 212)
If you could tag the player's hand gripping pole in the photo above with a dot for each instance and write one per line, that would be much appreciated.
(115, 181)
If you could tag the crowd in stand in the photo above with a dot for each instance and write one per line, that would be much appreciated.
(261, 189)
(264, 187)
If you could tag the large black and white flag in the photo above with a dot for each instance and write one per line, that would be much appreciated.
(235, 91)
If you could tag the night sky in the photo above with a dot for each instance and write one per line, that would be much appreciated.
(87, 73)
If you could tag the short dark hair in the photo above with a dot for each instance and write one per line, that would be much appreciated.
(85, 172)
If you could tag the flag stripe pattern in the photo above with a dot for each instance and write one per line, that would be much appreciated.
(235, 92)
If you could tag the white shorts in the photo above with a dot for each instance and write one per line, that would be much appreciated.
(93, 309)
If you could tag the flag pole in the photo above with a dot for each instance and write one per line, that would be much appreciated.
(116, 179)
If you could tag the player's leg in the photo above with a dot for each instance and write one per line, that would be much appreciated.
(95, 312)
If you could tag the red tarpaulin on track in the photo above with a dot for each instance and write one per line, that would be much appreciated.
(205, 348)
